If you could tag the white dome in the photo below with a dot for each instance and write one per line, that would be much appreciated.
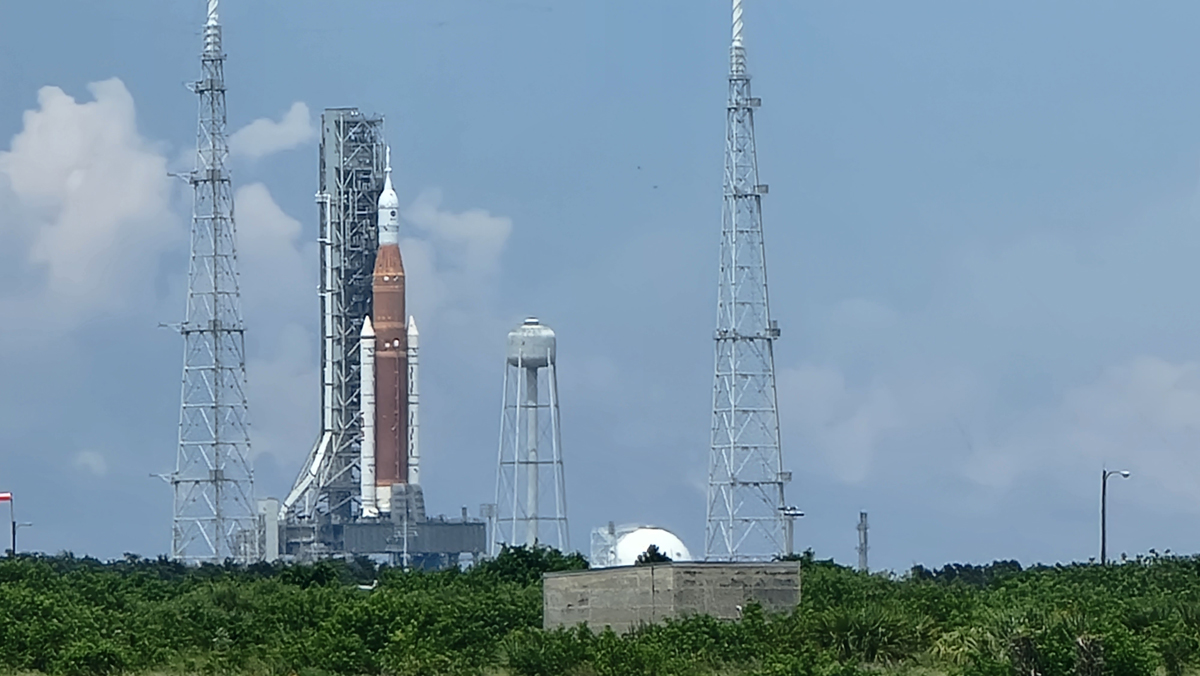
(635, 542)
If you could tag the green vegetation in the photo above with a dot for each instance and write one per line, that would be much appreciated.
(650, 556)
(71, 616)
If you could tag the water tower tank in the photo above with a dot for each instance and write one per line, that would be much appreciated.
(531, 345)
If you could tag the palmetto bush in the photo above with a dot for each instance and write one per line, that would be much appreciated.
(871, 633)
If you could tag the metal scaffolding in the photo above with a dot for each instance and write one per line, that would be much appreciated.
(215, 517)
(351, 176)
(745, 516)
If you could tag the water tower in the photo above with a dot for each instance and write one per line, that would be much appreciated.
(531, 495)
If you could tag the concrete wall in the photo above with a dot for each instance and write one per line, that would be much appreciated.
(627, 596)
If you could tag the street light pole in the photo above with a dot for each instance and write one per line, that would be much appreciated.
(1104, 510)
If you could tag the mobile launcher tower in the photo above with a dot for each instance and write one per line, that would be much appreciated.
(359, 491)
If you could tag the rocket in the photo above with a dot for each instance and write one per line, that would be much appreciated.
(391, 352)
(389, 453)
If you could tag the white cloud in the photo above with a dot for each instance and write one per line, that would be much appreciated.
(452, 259)
(279, 297)
(265, 136)
(91, 461)
(1142, 415)
(283, 391)
(843, 423)
(278, 267)
(89, 204)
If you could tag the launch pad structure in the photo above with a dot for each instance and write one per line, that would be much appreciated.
(351, 178)
(325, 514)
(358, 491)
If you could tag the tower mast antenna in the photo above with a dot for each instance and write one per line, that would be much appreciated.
(214, 513)
(862, 542)
(746, 507)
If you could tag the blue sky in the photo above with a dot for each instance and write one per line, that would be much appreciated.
(981, 229)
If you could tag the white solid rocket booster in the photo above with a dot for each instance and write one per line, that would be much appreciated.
(366, 362)
(414, 445)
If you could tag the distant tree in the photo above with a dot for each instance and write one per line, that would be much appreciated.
(651, 555)
(525, 565)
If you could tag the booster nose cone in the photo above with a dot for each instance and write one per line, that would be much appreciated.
(389, 208)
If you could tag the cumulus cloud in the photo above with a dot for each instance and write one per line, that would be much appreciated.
(852, 400)
(278, 268)
(92, 462)
(844, 423)
(283, 391)
(88, 203)
(451, 258)
(265, 136)
(1142, 415)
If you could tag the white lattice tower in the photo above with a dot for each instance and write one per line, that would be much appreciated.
(215, 517)
(745, 519)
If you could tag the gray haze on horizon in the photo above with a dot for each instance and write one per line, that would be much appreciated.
(981, 232)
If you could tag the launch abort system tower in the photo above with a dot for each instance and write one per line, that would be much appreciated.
(746, 519)
(215, 517)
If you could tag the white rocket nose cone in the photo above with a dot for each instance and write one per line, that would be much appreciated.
(389, 209)
(387, 198)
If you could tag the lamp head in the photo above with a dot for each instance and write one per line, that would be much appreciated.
(1124, 474)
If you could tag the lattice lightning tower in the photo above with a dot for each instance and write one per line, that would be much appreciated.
(214, 516)
(745, 476)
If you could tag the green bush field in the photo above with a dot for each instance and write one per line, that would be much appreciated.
(79, 616)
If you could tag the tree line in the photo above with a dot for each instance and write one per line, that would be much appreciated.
(79, 616)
